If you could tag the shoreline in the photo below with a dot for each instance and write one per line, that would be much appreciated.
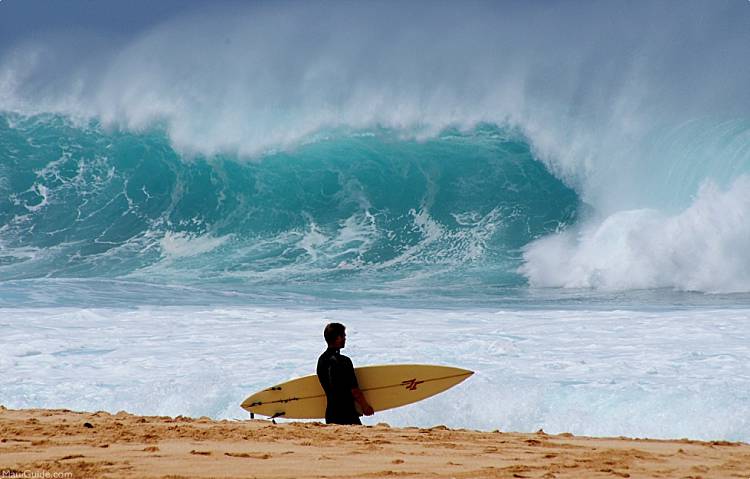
(59, 443)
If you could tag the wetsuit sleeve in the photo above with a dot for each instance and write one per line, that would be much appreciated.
(352, 377)
(324, 375)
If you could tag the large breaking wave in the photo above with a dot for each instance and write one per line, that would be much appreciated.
(288, 142)
(80, 202)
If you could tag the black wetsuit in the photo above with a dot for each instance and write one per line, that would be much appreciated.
(336, 375)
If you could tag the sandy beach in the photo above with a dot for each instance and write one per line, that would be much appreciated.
(67, 444)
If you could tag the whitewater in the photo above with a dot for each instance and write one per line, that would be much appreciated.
(554, 196)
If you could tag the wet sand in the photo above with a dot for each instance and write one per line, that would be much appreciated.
(66, 444)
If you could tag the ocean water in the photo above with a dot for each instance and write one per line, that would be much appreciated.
(566, 215)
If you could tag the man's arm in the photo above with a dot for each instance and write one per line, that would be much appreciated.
(356, 392)
(360, 398)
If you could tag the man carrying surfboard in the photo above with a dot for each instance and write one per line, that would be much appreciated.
(336, 375)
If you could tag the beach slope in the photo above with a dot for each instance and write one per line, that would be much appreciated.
(67, 444)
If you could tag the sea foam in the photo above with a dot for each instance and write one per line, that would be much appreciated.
(703, 248)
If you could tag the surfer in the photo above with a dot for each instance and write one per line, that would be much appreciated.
(336, 375)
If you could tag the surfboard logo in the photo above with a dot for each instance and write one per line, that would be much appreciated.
(411, 384)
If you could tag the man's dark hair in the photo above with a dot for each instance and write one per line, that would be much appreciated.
(333, 331)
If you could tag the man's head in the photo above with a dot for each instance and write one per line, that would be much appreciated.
(335, 334)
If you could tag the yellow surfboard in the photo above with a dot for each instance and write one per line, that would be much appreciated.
(384, 387)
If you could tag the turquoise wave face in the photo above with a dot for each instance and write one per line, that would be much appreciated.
(359, 210)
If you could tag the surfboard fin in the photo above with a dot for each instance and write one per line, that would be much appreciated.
(278, 414)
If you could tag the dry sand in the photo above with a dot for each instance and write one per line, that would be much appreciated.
(64, 444)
